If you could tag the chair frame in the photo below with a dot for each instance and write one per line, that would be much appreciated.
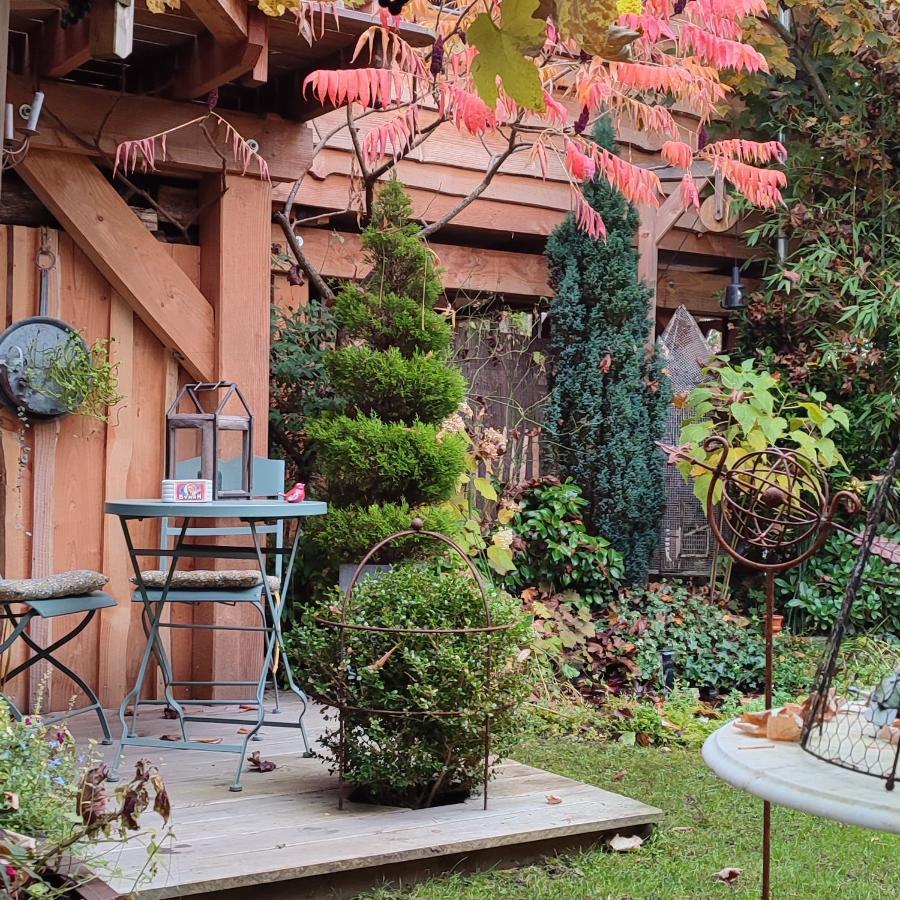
(44, 609)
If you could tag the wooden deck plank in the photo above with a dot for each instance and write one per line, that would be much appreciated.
(285, 827)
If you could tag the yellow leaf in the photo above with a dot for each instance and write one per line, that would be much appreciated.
(587, 22)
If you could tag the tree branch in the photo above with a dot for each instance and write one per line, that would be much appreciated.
(477, 191)
(315, 279)
(808, 65)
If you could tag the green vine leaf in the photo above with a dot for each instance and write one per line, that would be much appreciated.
(502, 53)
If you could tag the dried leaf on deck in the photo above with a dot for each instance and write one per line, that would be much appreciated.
(728, 875)
(622, 844)
(553, 800)
(257, 764)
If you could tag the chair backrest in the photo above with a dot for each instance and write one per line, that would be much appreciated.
(268, 474)
(268, 482)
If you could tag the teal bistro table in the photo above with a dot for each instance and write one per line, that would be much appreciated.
(260, 521)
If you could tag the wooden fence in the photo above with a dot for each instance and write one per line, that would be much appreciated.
(507, 379)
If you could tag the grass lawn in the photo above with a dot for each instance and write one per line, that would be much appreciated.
(708, 826)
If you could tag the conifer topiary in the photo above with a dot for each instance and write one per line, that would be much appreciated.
(608, 395)
(393, 385)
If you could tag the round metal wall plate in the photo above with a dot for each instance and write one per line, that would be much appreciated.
(26, 350)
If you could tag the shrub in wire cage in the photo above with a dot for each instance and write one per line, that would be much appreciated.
(414, 694)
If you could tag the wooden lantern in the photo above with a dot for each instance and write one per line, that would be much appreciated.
(208, 414)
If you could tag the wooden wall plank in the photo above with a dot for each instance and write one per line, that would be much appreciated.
(128, 256)
(78, 485)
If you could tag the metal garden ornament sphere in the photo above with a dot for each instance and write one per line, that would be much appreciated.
(774, 508)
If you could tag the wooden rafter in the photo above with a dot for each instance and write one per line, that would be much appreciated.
(74, 115)
(127, 255)
(64, 49)
(225, 20)
(210, 64)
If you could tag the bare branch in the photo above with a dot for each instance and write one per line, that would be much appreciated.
(315, 279)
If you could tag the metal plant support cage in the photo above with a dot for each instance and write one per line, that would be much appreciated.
(686, 546)
(345, 691)
(857, 732)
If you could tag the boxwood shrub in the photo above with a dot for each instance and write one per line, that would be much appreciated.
(415, 760)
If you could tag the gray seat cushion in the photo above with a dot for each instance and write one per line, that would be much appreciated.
(207, 579)
(74, 583)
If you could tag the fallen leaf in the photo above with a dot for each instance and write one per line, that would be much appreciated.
(207, 740)
(728, 875)
(170, 737)
(169, 713)
(622, 844)
(247, 707)
(553, 800)
(244, 730)
(682, 828)
(10, 801)
(257, 764)
(605, 363)
(784, 726)
(620, 775)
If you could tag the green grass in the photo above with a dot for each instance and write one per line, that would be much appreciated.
(708, 826)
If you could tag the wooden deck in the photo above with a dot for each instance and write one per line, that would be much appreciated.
(283, 836)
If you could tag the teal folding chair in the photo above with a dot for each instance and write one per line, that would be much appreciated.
(87, 606)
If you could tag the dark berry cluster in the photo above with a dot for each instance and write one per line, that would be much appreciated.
(394, 7)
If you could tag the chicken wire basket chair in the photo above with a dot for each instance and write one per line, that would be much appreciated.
(268, 482)
(857, 725)
(686, 545)
(85, 606)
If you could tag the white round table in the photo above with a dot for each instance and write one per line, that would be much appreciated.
(783, 773)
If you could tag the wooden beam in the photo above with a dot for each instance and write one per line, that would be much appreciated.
(112, 28)
(128, 256)
(225, 20)
(210, 64)
(286, 146)
(235, 273)
(64, 49)
(4, 63)
(471, 269)
(700, 292)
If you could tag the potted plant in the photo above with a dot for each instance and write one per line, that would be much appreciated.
(412, 753)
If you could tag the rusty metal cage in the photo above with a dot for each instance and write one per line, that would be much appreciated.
(686, 545)
(343, 698)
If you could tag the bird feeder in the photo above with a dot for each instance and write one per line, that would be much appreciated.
(215, 423)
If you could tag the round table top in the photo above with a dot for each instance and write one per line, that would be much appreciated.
(783, 773)
(217, 509)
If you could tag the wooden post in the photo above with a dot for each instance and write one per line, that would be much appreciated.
(111, 28)
(235, 275)
(648, 263)
(4, 62)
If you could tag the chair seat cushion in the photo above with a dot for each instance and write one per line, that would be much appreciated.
(65, 584)
(208, 579)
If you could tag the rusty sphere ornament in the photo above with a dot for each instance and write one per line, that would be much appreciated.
(774, 508)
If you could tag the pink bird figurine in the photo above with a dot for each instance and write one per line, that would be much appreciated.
(297, 494)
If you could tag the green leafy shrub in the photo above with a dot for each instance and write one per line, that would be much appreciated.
(554, 551)
(812, 594)
(366, 459)
(754, 409)
(608, 396)
(716, 650)
(389, 320)
(346, 534)
(298, 383)
(395, 387)
(412, 760)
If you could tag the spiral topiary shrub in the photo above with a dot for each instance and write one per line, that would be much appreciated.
(393, 384)
(416, 760)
